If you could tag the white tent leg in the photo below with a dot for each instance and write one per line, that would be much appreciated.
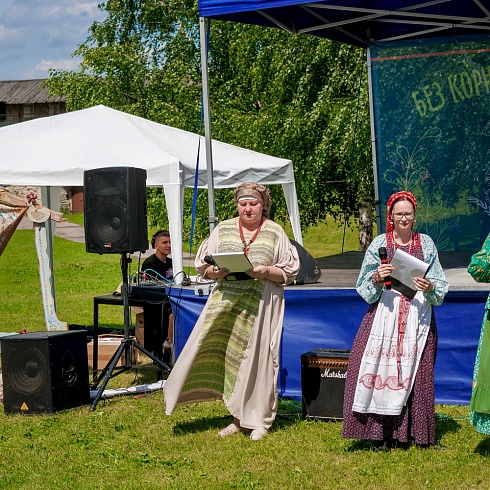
(207, 123)
(174, 199)
(293, 209)
(50, 197)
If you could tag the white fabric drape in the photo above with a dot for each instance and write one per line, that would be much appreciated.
(378, 388)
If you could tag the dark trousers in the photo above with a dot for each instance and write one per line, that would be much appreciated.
(156, 327)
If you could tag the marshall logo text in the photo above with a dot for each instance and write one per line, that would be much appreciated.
(328, 373)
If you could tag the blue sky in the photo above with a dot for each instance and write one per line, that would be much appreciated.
(36, 35)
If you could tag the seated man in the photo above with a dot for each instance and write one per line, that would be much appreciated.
(159, 267)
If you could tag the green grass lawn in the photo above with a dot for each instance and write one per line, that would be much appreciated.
(128, 442)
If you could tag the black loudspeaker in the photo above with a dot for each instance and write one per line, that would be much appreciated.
(309, 271)
(44, 372)
(114, 205)
(323, 373)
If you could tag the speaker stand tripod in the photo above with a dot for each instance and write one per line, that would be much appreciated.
(127, 344)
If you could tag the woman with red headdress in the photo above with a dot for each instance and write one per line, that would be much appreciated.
(389, 390)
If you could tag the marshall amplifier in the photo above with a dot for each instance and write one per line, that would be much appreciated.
(323, 373)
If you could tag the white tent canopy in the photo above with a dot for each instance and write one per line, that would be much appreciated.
(55, 151)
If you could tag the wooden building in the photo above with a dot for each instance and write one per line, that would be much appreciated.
(22, 100)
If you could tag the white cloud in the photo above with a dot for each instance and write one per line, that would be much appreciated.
(7, 33)
(61, 64)
(39, 34)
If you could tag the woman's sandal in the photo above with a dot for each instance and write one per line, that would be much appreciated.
(257, 434)
(230, 430)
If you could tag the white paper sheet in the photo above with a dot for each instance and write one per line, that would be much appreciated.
(406, 268)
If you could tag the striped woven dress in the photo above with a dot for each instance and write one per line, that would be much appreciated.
(233, 351)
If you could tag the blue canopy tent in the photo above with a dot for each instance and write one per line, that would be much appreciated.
(357, 22)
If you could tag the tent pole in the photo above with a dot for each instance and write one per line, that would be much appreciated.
(377, 202)
(207, 122)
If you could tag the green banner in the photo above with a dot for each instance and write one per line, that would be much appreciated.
(432, 123)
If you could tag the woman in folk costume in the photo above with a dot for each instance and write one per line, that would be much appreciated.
(389, 390)
(479, 268)
(233, 351)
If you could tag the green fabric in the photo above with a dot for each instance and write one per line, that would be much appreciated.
(230, 316)
(479, 266)
(480, 399)
(227, 329)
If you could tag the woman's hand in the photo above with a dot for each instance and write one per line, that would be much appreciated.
(260, 272)
(382, 272)
(214, 272)
(423, 284)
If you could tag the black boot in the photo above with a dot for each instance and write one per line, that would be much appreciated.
(382, 446)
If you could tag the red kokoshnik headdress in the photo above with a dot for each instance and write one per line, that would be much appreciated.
(391, 201)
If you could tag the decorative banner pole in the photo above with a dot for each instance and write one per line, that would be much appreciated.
(12, 210)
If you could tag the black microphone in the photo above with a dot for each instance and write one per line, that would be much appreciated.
(384, 260)
(209, 260)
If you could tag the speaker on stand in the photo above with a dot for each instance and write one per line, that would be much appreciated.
(115, 210)
(44, 372)
(116, 222)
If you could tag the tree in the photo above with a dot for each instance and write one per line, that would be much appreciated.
(143, 59)
(297, 97)
(294, 97)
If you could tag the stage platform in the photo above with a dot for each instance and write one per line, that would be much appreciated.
(328, 313)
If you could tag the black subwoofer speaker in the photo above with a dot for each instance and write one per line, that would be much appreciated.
(323, 373)
(115, 210)
(44, 372)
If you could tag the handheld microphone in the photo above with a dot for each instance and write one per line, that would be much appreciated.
(209, 260)
(384, 260)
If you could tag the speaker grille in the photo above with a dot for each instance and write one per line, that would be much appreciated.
(109, 225)
(28, 369)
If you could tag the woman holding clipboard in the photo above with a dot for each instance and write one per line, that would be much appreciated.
(233, 351)
(389, 390)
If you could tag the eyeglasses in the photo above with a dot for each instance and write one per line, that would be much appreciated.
(399, 216)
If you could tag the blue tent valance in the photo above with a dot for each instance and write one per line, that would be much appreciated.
(358, 22)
